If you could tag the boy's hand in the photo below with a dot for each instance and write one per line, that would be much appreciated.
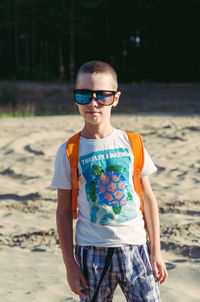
(158, 267)
(76, 279)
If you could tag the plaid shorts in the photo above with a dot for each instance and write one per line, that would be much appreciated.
(129, 267)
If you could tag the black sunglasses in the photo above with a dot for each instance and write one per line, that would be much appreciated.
(103, 97)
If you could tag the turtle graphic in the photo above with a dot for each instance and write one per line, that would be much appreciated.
(111, 186)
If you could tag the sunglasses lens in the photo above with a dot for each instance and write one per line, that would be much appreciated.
(105, 98)
(82, 98)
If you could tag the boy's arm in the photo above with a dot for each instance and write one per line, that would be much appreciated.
(64, 221)
(153, 226)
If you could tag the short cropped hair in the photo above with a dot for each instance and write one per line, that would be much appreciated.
(97, 67)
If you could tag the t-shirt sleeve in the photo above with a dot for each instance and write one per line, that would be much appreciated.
(62, 170)
(149, 166)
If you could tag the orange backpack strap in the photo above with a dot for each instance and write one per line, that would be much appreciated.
(72, 151)
(138, 153)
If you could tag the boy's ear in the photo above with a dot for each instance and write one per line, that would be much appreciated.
(116, 100)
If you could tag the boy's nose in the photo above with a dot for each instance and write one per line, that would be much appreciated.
(94, 98)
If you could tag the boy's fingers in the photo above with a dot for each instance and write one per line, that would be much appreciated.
(155, 271)
(165, 275)
(76, 288)
(83, 282)
(79, 293)
(162, 274)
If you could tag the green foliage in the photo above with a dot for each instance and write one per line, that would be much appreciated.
(41, 40)
(37, 73)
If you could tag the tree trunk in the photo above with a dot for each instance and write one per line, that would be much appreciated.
(71, 41)
(61, 63)
(9, 38)
(16, 36)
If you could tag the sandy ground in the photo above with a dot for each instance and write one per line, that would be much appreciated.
(31, 263)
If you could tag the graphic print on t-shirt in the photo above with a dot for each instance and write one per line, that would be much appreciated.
(107, 186)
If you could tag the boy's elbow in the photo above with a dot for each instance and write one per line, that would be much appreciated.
(63, 213)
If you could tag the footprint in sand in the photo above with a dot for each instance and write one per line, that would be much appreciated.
(182, 232)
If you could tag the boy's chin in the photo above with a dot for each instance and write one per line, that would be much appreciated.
(93, 120)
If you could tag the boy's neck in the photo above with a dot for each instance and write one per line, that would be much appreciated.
(96, 132)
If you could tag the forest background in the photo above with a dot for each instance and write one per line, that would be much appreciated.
(145, 41)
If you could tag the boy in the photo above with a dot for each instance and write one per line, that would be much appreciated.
(111, 240)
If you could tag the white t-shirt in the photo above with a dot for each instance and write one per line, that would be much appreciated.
(108, 207)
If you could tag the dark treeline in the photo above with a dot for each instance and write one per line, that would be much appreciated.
(145, 40)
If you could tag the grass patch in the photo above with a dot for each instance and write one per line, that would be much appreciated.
(17, 110)
(15, 114)
(34, 100)
(31, 110)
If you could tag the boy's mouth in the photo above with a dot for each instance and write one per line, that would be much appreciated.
(92, 112)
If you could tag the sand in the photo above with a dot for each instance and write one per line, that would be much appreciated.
(30, 257)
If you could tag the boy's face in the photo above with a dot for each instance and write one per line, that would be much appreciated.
(93, 112)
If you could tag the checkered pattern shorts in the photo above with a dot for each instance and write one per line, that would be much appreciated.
(129, 267)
